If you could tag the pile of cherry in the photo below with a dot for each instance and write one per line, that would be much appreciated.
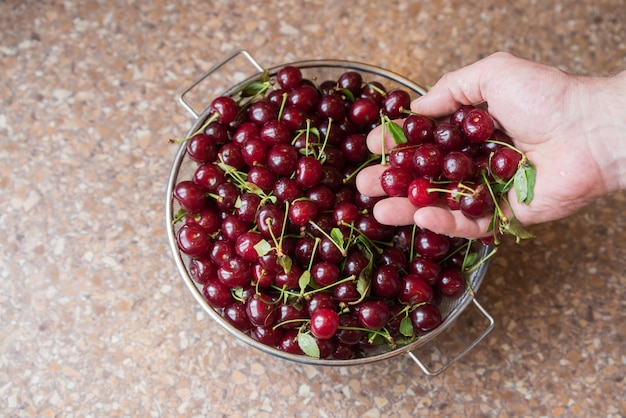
(284, 246)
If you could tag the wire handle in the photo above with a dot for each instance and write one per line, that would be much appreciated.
(181, 95)
(454, 359)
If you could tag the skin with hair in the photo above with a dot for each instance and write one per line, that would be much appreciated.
(573, 129)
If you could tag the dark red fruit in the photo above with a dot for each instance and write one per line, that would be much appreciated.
(425, 318)
(373, 314)
(193, 240)
(505, 162)
(478, 125)
(324, 323)
(395, 181)
(191, 196)
(419, 194)
(451, 283)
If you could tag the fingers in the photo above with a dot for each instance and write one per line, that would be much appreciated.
(394, 211)
(368, 181)
(452, 223)
(375, 139)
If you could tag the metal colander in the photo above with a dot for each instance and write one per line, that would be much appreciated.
(183, 168)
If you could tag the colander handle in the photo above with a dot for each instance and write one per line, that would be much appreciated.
(181, 95)
(440, 370)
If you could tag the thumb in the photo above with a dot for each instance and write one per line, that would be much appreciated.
(461, 87)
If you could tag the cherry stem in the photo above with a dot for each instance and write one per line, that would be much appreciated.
(210, 120)
(319, 228)
(282, 105)
(361, 167)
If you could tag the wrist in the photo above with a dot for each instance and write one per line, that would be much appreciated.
(605, 128)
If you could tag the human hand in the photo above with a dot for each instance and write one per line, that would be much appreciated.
(570, 127)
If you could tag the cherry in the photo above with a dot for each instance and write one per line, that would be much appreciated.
(320, 300)
(289, 77)
(282, 159)
(269, 220)
(426, 269)
(351, 81)
(287, 190)
(392, 256)
(288, 279)
(395, 102)
(432, 245)
(247, 130)
(261, 111)
(304, 250)
(244, 245)
(267, 335)
(451, 283)
(323, 196)
(202, 269)
(234, 272)
(261, 310)
(504, 162)
(346, 292)
(419, 129)
(302, 211)
(217, 132)
(425, 318)
(402, 156)
(248, 205)
(428, 160)
(458, 115)
(227, 195)
(331, 106)
(230, 154)
(478, 204)
(458, 166)
(395, 181)
(209, 176)
(373, 314)
(290, 316)
(191, 196)
(354, 148)
(449, 137)
(363, 111)
(303, 97)
(414, 290)
(193, 240)
(309, 172)
(478, 125)
(226, 108)
(216, 293)
(329, 251)
(289, 342)
(233, 227)
(374, 90)
(386, 281)
(262, 177)
(419, 194)
(221, 251)
(201, 148)
(348, 332)
(371, 228)
(324, 273)
(253, 151)
(235, 313)
(293, 118)
(275, 132)
(345, 212)
(324, 323)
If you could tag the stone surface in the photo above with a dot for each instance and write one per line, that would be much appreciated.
(95, 318)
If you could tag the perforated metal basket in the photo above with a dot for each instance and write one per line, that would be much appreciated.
(183, 168)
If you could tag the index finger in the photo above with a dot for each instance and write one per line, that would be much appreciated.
(375, 138)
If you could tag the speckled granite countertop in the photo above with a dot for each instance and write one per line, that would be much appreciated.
(95, 318)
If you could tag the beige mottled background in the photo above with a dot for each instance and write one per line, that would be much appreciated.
(94, 318)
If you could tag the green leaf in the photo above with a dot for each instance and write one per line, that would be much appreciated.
(262, 247)
(304, 280)
(524, 183)
(514, 227)
(362, 285)
(396, 132)
(308, 345)
(285, 262)
(253, 188)
(337, 236)
(406, 327)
